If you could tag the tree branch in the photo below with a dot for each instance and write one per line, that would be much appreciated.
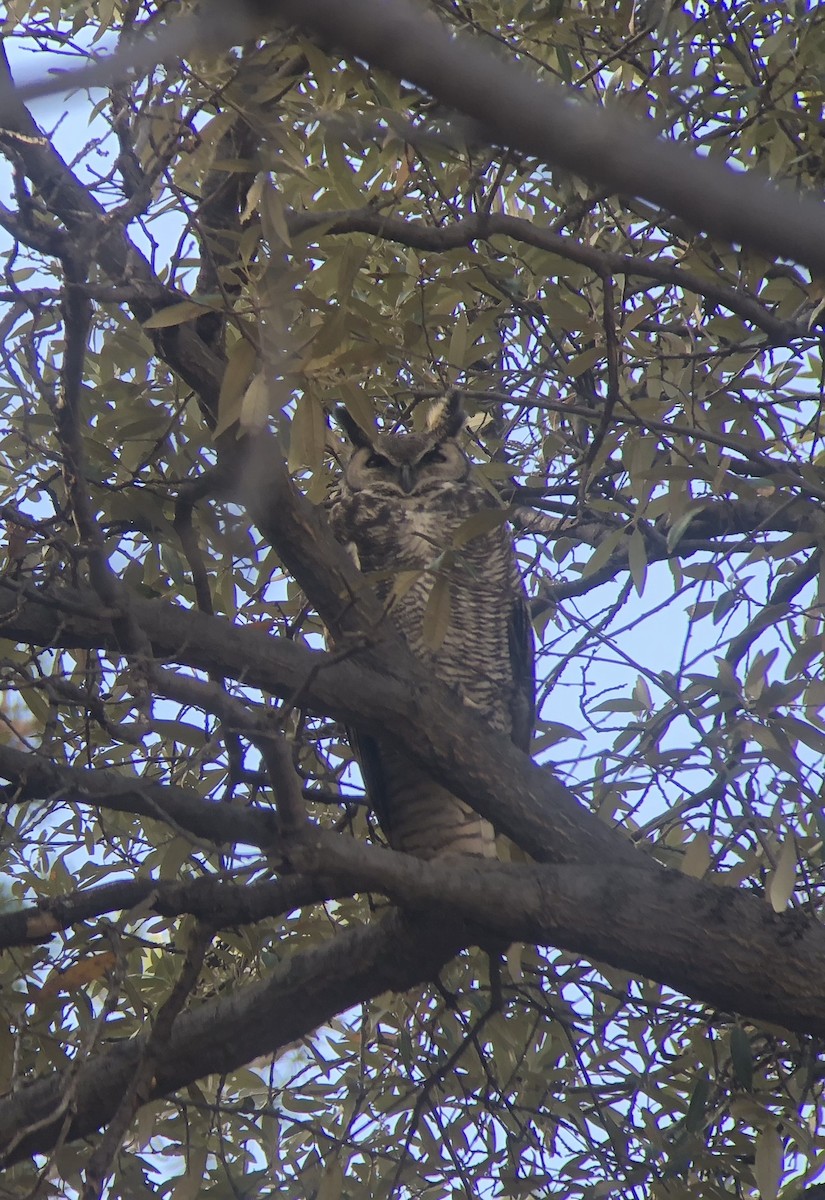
(483, 226)
(213, 900)
(716, 943)
(86, 219)
(35, 777)
(747, 959)
(397, 697)
(516, 110)
(221, 1035)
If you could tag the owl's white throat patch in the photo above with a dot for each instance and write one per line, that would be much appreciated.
(426, 529)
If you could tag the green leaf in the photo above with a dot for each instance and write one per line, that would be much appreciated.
(783, 879)
(480, 523)
(240, 368)
(697, 1106)
(680, 527)
(637, 560)
(603, 552)
(307, 434)
(768, 1163)
(437, 613)
(175, 314)
(741, 1057)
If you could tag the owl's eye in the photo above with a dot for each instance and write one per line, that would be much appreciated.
(377, 462)
(432, 456)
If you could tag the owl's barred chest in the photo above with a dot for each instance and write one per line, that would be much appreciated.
(407, 536)
(413, 516)
(463, 628)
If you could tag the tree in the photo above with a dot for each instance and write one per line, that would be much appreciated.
(214, 977)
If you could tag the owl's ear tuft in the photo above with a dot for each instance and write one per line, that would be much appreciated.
(447, 417)
(358, 436)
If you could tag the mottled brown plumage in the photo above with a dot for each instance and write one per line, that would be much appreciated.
(407, 506)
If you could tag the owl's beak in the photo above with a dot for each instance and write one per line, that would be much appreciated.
(405, 477)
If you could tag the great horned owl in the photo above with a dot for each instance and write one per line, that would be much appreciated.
(404, 506)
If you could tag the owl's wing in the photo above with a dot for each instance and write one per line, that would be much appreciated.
(368, 757)
(522, 664)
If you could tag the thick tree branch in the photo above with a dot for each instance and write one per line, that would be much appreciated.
(107, 243)
(220, 903)
(716, 943)
(482, 226)
(722, 944)
(34, 777)
(397, 697)
(516, 110)
(301, 994)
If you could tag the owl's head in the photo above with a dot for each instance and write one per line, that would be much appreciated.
(407, 464)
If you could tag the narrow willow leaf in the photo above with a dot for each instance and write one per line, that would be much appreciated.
(307, 434)
(768, 1162)
(741, 1057)
(437, 614)
(603, 552)
(240, 367)
(484, 521)
(697, 858)
(175, 314)
(255, 404)
(641, 693)
(637, 560)
(459, 342)
(273, 218)
(783, 878)
(402, 582)
(757, 675)
(358, 405)
(695, 1118)
(679, 528)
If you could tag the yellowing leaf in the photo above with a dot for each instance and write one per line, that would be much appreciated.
(83, 972)
(402, 582)
(697, 859)
(254, 195)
